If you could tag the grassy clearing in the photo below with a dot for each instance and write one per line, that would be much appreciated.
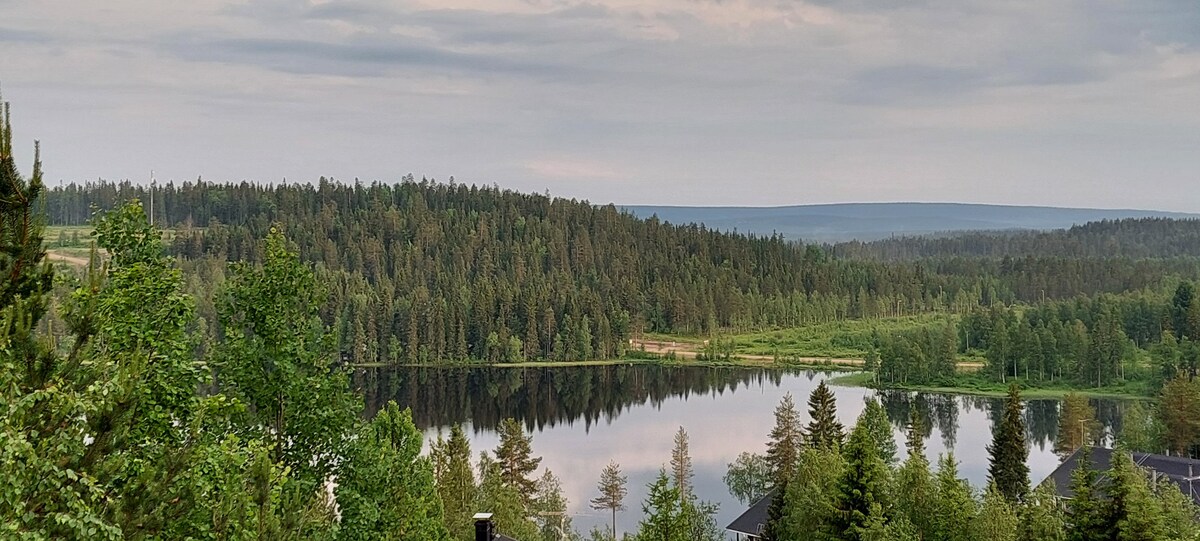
(979, 387)
(847, 339)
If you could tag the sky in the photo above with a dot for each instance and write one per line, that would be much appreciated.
(690, 102)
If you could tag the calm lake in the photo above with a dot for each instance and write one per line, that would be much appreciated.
(582, 417)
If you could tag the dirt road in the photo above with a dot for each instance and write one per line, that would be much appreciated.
(77, 261)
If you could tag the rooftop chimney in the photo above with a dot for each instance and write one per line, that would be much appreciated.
(485, 529)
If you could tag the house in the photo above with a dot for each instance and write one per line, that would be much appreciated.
(485, 529)
(750, 525)
(1182, 472)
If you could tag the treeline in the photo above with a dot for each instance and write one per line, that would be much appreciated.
(1129, 238)
(1098, 341)
(825, 483)
(422, 272)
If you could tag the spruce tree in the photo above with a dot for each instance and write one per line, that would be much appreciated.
(863, 483)
(956, 506)
(881, 430)
(664, 518)
(783, 445)
(1008, 468)
(456, 482)
(914, 482)
(1041, 517)
(997, 520)
(681, 464)
(1086, 511)
(824, 430)
(1134, 512)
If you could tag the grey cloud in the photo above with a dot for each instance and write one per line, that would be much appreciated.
(356, 58)
(24, 36)
(910, 84)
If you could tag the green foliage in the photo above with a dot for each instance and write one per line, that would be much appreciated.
(880, 428)
(1041, 518)
(956, 505)
(811, 496)
(783, 444)
(612, 493)
(1179, 413)
(514, 458)
(507, 504)
(386, 488)
(278, 358)
(997, 518)
(862, 485)
(455, 482)
(748, 477)
(824, 430)
(1086, 511)
(681, 464)
(915, 489)
(1008, 469)
(664, 518)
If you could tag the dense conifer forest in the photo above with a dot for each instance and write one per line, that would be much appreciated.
(426, 272)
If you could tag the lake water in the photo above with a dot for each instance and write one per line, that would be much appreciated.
(582, 417)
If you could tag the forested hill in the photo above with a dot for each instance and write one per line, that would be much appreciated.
(874, 221)
(1130, 238)
(421, 271)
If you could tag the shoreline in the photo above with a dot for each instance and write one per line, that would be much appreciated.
(851, 376)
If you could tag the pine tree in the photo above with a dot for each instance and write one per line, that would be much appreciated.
(514, 458)
(681, 464)
(824, 430)
(612, 493)
(783, 445)
(1008, 468)
(510, 508)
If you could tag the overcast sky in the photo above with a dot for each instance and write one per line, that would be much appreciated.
(694, 102)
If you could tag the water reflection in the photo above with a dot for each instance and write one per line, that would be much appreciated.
(582, 417)
(546, 397)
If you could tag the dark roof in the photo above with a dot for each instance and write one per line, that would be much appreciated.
(755, 518)
(1175, 469)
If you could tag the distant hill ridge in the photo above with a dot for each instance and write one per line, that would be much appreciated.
(839, 222)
